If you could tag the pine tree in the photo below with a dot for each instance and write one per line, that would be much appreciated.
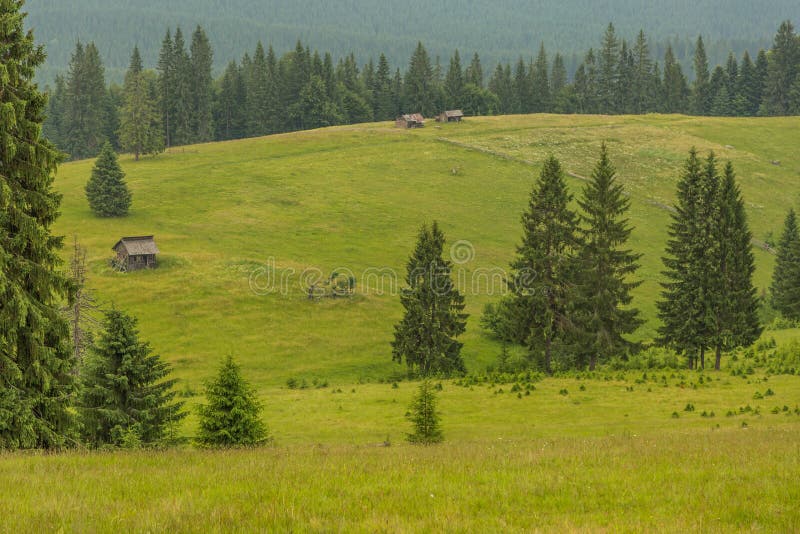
(424, 416)
(559, 86)
(474, 73)
(642, 79)
(748, 88)
(54, 125)
(419, 87)
(258, 94)
(126, 398)
(85, 109)
(675, 89)
(383, 100)
(36, 381)
(434, 311)
(230, 107)
(701, 92)
(782, 70)
(182, 131)
(542, 273)
(541, 99)
(785, 286)
(106, 191)
(608, 72)
(686, 308)
(454, 82)
(166, 87)
(201, 61)
(231, 416)
(603, 294)
(736, 301)
(523, 101)
(140, 129)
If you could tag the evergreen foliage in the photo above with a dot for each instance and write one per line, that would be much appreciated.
(126, 398)
(602, 296)
(231, 416)
(785, 286)
(140, 128)
(434, 311)
(36, 382)
(85, 112)
(106, 190)
(424, 416)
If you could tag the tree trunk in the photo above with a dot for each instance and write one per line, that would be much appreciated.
(592, 362)
(718, 359)
(547, 351)
(702, 358)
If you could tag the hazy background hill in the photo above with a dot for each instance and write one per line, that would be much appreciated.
(500, 30)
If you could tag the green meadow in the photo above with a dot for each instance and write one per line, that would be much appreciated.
(244, 226)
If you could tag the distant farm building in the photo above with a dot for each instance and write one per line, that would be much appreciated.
(454, 115)
(413, 120)
(134, 253)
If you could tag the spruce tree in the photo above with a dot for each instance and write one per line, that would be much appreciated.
(106, 191)
(182, 131)
(433, 311)
(474, 73)
(542, 274)
(454, 82)
(782, 70)
(232, 415)
(36, 381)
(701, 93)
(382, 98)
(603, 294)
(166, 88)
(419, 86)
(230, 108)
(140, 128)
(687, 309)
(785, 286)
(675, 89)
(85, 108)
(608, 72)
(541, 99)
(126, 398)
(424, 416)
(201, 61)
(642, 81)
(735, 297)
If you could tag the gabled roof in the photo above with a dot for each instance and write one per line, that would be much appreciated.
(137, 245)
(454, 113)
(414, 117)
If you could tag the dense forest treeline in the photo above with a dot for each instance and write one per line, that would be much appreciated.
(181, 103)
(499, 30)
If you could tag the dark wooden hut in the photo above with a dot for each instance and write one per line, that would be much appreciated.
(412, 120)
(453, 115)
(134, 253)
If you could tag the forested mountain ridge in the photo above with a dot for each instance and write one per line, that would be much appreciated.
(499, 31)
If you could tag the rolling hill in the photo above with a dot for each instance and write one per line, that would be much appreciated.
(233, 218)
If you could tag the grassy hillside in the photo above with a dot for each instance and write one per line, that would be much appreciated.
(353, 198)
(657, 451)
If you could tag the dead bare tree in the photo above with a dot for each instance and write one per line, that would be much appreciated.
(80, 311)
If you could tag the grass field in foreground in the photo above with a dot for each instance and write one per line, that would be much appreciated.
(353, 198)
(603, 458)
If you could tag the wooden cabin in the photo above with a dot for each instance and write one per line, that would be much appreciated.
(134, 253)
(454, 115)
(412, 120)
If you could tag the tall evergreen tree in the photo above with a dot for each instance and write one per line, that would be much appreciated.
(701, 91)
(454, 82)
(748, 87)
(166, 87)
(603, 294)
(434, 311)
(230, 109)
(782, 70)
(474, 73)
(200, 62)
(140, 128)
(383, 100)
(542, 273)
(85, 111)
(687, 309)
(642, 79)
(785, 286)
(36, 381)
(675, 90)
(182, 131)
(106, 190)
(55, 123)
(608, 71)
(419, 87)
(232, 415)
(541, 99)
(736, 301)
(126, 398)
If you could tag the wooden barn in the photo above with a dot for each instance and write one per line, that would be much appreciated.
(134, 253)
(454, 115)
(413, 120)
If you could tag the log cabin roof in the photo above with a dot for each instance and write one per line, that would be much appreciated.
(137, 245)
